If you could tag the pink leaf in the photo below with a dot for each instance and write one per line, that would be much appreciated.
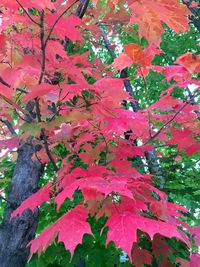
(195, 260)
(34, 200)
(5, 91)
(105, 186)
(70, 229)
(190, 62)
(9, 143)
(122, 61)
(39, 90)
(66, 26)
(123, 230)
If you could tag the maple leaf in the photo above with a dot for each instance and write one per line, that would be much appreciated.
(5, 91)
(178, 73)
(93, 200)
(27, 4)
(164, 210)
(34, 200)
(187, 142)
(112, 88)
(195, 260)
(66, 26)
(9, 143)
(105, 186)
(40, 90)
(128, 150)
(50, 53)
(166, 103)
(190, 62)
(160, 247)
(142, 56)
(2, 45)
(70, 229)
(126, 204)
(44, 4)
(122, 61)
(94, 2)
(92, 153)
(150, 14)
(140, 256)
(123, 230)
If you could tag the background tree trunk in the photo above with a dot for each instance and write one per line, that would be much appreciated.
(15, 234)
(151, 157)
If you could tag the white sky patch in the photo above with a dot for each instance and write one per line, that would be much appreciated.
(192, 87)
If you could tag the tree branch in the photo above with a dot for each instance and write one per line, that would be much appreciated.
(82, 8)
(9, 126)
(10, 102)
(8, 85)
(44, 138)
(37, 103)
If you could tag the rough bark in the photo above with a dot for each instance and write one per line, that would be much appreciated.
(15, 234)
(154, 167)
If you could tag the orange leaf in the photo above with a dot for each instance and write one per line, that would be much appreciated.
(150, 14)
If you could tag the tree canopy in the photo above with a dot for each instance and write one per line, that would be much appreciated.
(99, 134)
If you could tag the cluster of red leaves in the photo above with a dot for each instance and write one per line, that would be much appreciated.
(97, 121)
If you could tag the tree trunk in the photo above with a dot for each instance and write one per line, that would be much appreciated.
(154, 167)
(15, 234)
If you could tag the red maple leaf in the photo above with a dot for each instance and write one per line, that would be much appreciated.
(70, 229)
(140, 256)
(123, 230)
(34, 200)
(190, 62)
(66, 26)
(150, 14)
(104, 186)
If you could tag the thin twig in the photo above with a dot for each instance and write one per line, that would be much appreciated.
(107, 43)
(149, 122)
(10, 102)
(35, 22)
(43, 48)
(4, 82)
(8, 85)
(26, 117)
(9, 126)
(145, 85)
(170, 120)
(42, 42)
(21, 90)
(56, 21)
(5, 199)
(44, 137)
